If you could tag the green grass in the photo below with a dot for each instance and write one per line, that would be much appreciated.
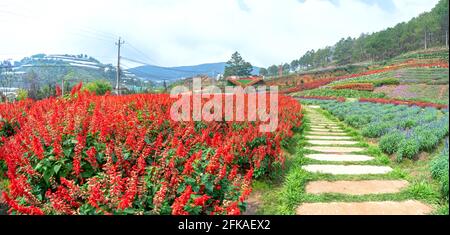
(245, 81)
(277, 194)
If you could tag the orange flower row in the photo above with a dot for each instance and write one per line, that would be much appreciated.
(356, 86)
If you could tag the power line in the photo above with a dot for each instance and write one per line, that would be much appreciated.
(141, 53)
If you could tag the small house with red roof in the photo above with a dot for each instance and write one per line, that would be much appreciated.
(245, 81)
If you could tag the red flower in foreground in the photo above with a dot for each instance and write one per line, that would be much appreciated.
(125, 152)
(233, 209)
(27, 210)
(181, 201)
(201, 201)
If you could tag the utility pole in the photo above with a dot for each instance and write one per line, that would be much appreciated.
(118, 44)
(446, 39)
(62, 88)
(165, 86)
(426, 46)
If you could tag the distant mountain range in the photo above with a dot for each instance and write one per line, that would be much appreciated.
(51, 69)
(159, 74)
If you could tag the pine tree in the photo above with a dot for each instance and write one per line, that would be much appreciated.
(237, 66)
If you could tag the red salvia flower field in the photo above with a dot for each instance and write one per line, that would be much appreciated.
(87, 154)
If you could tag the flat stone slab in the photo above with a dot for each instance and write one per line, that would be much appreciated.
(362, 187)
(326, 133)
(348, 169)
(324, 124)
(332, 142)
(339, 157)
(410, 207)
(318, 137)
(327, 130)
(314, 107)
(325, 127)
(335, 149)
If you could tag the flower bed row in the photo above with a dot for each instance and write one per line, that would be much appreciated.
(124, 155)
(404, 102)
(356, 86)
(325, 81)
(339, 99)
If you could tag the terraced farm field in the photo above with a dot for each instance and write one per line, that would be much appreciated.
(417, 83)
(423, 92)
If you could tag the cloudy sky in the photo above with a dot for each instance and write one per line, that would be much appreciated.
(188, 32)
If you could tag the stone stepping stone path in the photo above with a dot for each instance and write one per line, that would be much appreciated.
(330, 144)
(335, 149)
(330, 124)
(324, 124)
(318, 137)
(339, 157)
(329, 127)
(362, 187)
(410, 207)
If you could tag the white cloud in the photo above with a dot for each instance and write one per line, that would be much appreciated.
(185, 32)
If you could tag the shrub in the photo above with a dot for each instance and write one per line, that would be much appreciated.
(387, 81)
(389, 143)
(408, 148)
(408, 122)
(99, 87)
(427, 138)
(22, 94)
(444, 185)
(357, 120)
(377, 129)
(440, 170)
